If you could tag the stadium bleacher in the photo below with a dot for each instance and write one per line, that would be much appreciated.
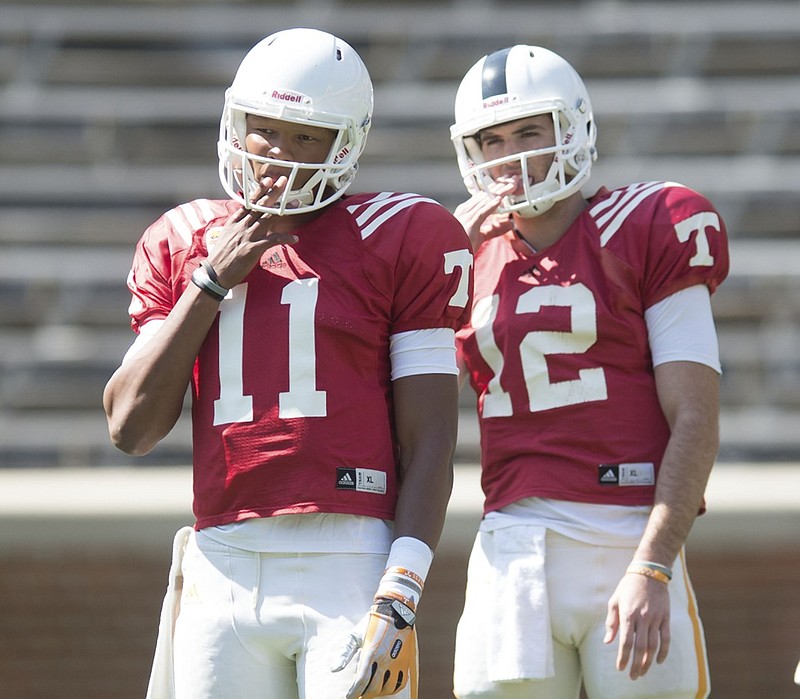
(108, 116)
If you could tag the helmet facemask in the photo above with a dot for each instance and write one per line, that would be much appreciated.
(329, 178)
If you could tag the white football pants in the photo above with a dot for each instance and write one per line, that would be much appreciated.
(268, 625)
(580, 579)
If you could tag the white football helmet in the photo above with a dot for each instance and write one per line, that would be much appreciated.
(304, 76)
(514, 83)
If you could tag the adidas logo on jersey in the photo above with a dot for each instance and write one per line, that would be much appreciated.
(346, 478)
(609, 474)
(642, 474)
(272, 261)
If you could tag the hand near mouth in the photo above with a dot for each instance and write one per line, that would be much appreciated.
(478, 215)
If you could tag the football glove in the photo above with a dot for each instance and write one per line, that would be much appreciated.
(388, 659)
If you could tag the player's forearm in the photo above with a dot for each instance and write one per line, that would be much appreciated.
(685, 468)
(140, 410)
(144, 398)
(426, 412)
(422, 502)
(677, 502)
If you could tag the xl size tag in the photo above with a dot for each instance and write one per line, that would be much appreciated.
(363, 480)
(627, 474)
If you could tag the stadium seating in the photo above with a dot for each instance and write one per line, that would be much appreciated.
(108, 116)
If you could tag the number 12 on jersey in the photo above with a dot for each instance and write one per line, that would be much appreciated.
(537, 345)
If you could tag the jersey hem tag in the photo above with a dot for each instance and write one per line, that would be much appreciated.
(627, 474)
(362, 480)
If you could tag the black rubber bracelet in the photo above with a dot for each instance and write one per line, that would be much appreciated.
(210, 271)
(201, 283)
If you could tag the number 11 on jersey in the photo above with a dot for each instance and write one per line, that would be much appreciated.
(302, 399)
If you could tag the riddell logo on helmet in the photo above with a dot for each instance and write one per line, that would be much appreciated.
(341, 155)
(293, 97)
(496, 101)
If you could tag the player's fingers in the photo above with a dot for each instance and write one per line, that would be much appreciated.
(347, 653)
(645, 652)
(612, 624)
(502, 187)
(270, 190)
(239, 215)
(362, 685)
(626, 640)
(663, 650)
(482, 204)
(468, 211)
(273, 239)
(268, 195)
(474, 216)
(245, 219)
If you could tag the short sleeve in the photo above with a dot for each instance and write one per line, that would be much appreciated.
(434, 278)
(687, 245)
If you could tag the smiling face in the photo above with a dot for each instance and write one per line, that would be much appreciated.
(519, 136)
(287, 141)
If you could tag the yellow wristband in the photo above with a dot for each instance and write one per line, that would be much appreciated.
(648, 573)
(654, 566)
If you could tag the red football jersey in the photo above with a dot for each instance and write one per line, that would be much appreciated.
(557, 347)
(292, 399)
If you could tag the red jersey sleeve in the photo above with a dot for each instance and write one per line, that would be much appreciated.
(434, 272)
(161, 270)
(421, 259)
(150, 280)
(680, 240)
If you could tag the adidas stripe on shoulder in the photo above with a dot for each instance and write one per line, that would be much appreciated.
(611, 213)
(190, 217)
(371, 214)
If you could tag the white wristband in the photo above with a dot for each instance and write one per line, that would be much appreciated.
(406, 569)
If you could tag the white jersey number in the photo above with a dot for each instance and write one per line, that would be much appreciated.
(537, 345)
(302, 399)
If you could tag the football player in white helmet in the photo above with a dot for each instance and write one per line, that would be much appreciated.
(510, 85)
(310, 85)
(316, 330)
(593, 353)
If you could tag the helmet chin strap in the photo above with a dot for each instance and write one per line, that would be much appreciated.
(535, 209)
